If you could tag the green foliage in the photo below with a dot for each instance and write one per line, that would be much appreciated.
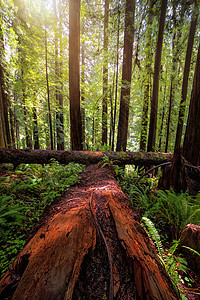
(175, 266)
(152, 231)
(194, 252)
(169, 210)
(177, 210)
(25, 194)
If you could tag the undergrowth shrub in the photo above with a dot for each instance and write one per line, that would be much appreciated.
(24, 194)
(169, 210)
(175, 265)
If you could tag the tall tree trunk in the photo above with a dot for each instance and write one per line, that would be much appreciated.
(3, 137)
(4, 100)
(83, 92)
(126, 76)
(16, 124)
(58, 77)
(154, 100)
(175, 52)
(191, 145)
(61, 114)
(144, 122)
(105, 77)
(35, 129)
(160, 134)
(74, 74)
(12, 126)
(186, 76)
(57, 123)
(48, 93)
(116, 82)
(27, 133)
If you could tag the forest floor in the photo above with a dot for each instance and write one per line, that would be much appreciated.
(94, 275)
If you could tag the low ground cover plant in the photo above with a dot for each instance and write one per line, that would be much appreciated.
(24, 195)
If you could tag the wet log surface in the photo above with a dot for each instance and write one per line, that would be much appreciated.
(67, 258)
(28, 156)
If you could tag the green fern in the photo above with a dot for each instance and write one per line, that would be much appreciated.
(172, 263)
(10, 214)
(153, 233)
(177, 210)
(194, 252)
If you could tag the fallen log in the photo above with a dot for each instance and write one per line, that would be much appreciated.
(16, 157)
(190, 237)
(67, 258)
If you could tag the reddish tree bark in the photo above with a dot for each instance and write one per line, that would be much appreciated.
(186, 75)
(126, 76)
(154, 100)
(105, 77)
(191, 146)
(148, 60)
(190, 237)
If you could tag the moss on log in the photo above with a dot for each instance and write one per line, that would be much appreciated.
(27, 156)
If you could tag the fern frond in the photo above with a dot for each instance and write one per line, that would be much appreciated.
(192, 250)
(152, 231)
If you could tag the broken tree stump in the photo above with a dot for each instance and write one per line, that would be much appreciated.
(67, 258)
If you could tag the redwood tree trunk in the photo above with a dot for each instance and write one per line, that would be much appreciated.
(74, 74)
(126, 76)
(186, 76)
(90, 245)
(116, 83)
(105, 78)
(35, 129)
(48, 92)
(191, 145)
(154, 100)
(144, 121)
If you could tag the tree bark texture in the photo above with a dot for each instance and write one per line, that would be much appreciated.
(83, 91)
(144, 121)
(186, 76)
(3, 137)
(154, 100)
(48, 91)
(116, 82)
(4, 123)
(17, 157)
(58, 78)
(105, 77)
(35, 129)
(180, 175)
(89, 241)
(190, 237)
(191, 145)
(74, 75)
(126, 76)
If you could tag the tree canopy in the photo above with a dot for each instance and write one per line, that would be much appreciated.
(40, 101)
